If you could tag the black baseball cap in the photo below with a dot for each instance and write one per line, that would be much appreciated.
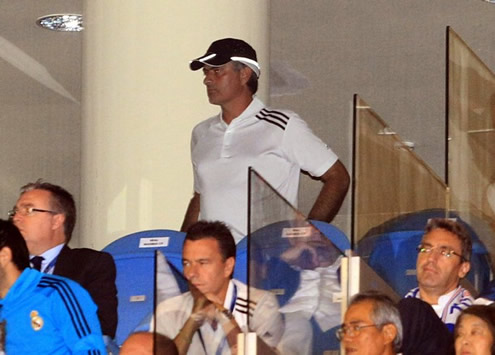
(225, 50)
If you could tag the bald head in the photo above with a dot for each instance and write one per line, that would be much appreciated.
(141, 343)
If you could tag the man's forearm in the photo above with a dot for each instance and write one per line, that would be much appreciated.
(230, 328)
(335, 185)
(184, 338)
(192, 213)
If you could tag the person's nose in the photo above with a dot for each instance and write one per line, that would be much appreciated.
(17, 218)
(465, 340)
(348, 338)
(191, 272)
(433, 256)
(208, 79)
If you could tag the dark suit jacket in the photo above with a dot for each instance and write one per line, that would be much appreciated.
(95, 271)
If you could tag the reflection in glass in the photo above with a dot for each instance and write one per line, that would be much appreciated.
(291, 258)
(471, 143)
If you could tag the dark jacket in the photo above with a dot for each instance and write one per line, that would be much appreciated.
(95, 271)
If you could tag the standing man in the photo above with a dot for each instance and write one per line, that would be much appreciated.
(45, 215)
(443, 260)
(42, 314)
(372, 326)
(207, 319)
(278, 144)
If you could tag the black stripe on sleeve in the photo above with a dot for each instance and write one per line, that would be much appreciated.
(276, 118)
(71, 303)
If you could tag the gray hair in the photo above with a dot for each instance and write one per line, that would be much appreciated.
(252, 83)
(384, 312)
(455, 227)
(61, 201)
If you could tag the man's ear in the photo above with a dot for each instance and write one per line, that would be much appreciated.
(464, 269)
(229, 266)
(245, 74)
(5, 256)
(58, 221)
(389, 333)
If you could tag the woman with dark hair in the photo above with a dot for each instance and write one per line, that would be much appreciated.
(475, 331)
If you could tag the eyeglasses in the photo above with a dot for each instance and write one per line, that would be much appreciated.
(444, 251)
(352, 330)
(27, 211)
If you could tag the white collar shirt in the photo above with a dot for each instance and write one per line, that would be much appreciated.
(278, 144)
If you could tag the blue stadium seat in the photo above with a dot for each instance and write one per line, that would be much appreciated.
(134, 257)
(393, 257)
(241, 261)
(334, 234)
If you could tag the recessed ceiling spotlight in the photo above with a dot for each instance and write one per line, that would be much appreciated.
(62, 22)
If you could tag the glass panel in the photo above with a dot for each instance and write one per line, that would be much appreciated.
(395, 194)
(390, 179)
(471, 120)
(291, 258)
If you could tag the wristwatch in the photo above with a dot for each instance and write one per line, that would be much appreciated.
(224, 315)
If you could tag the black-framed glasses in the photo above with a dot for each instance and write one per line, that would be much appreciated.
(27, 211)
(444, 251)
(352, 330)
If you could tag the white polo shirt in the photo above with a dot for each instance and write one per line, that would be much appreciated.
(276, 143)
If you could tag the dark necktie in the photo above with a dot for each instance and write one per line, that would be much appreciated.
(36, 262)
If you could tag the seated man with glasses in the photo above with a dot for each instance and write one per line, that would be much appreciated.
(443, 260)
(45, 215)
(372, 325)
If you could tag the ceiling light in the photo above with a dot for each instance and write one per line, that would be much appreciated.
(62, 22)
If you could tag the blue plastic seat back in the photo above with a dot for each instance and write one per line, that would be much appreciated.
(134, 257)
(334, 234)
(393, 257)
(241, 261)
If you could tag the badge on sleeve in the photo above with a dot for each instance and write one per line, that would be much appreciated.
(36, 320)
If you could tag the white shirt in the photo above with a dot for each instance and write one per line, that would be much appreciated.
(266, 320)
(277, 144)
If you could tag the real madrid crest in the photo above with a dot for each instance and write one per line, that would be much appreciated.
(36, 320)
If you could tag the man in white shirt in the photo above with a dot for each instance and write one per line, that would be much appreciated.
(443, 260)
(278, 144)
(207, 319)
